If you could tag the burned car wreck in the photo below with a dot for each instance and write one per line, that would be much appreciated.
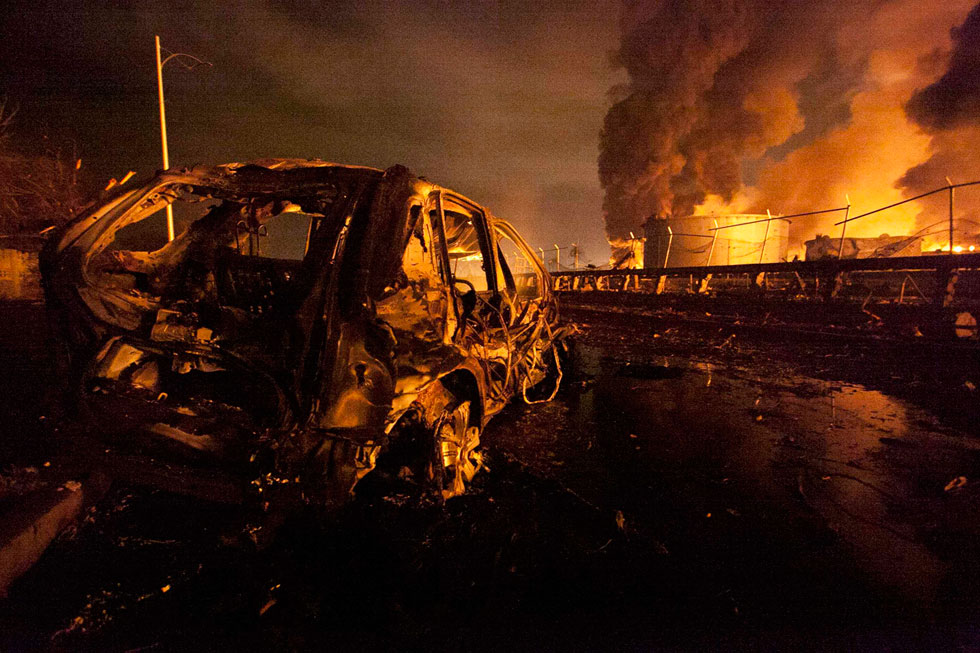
(310, 323)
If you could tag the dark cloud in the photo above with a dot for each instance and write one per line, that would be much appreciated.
(825, 96)
(672, 51)
(498, 99)
(704, 97)
(949, 111)
(954, 99)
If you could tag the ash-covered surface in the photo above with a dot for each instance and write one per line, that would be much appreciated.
(684, 490)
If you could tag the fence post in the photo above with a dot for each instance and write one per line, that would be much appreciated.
(762, 253)
(714, 237)
(843, 229)
(950, 215)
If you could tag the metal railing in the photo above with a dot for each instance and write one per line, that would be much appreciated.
(824, 278)
(554, 262)
(951, 187)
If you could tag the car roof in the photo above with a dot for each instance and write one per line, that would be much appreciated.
(291, 164)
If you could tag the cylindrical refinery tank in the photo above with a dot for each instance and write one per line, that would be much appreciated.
(690, 243)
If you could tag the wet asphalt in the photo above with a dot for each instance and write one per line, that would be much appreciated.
(685, 490)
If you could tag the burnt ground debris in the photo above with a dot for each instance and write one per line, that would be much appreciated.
(685, 490)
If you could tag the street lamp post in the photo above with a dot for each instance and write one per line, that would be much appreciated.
(163, 137)
(163, 117)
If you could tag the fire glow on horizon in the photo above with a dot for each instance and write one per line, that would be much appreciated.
(740, 107)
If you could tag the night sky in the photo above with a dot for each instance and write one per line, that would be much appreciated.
(675, 105)
(501, 101)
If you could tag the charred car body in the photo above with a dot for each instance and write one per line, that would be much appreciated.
(309, 318)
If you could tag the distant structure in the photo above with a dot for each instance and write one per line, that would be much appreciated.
(883, 246)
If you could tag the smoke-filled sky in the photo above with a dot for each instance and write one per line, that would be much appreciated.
(500, 100)
(554, 114)
(793, 106)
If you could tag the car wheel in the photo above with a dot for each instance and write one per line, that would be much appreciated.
(456, 458)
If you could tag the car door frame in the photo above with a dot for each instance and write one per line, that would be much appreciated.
(484, 230)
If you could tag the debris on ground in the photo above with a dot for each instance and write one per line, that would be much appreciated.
(956, 484)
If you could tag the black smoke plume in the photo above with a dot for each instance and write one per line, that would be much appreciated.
(954, 99)
(702, 97)
(949, 110)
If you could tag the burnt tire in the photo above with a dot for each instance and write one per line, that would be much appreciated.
(455, 455)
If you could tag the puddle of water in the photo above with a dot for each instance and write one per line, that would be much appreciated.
(694, 440)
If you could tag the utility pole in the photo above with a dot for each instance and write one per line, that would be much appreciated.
(163, 117)
(575, 255)
(950, 215)
(557, 258)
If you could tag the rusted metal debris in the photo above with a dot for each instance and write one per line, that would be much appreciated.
(311, 323)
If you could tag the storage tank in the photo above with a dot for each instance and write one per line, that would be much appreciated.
(690, 244)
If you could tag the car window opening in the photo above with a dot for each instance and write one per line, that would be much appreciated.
(243, 252)
(465, 254)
